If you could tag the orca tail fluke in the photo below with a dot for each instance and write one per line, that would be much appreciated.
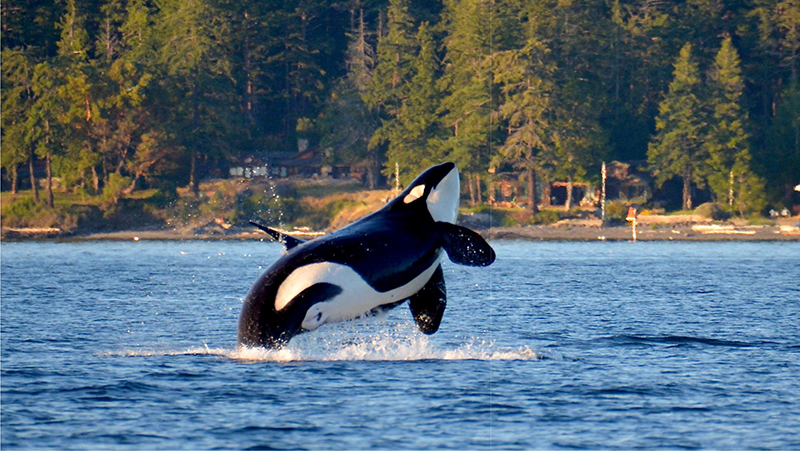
(288, 241)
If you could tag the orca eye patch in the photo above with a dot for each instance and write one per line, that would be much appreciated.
(415, 194)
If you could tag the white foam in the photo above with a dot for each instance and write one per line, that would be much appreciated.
(396, 344)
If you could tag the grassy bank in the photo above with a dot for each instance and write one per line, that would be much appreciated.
(220, 204)
(222, 208)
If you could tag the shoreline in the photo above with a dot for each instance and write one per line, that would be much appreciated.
(554, 232)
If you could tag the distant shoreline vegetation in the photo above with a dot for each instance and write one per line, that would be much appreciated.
(224, 207)
(117, 112)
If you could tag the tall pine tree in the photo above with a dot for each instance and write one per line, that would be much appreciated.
(468, 104)
(677, 148)
(728, 142)
(417, 123)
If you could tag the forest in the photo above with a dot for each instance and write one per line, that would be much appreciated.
(114, 96)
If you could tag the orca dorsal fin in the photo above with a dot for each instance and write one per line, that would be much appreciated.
(288, 241)
(428, 304)
(464, 246)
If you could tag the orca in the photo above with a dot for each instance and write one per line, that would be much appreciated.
(374, 264)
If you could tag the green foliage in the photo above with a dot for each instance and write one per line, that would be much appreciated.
(466, 106)
(676, 149)
(411, 134)
(25, 212)
(780, 158)
(731, 175)
(166, 92)
(113, 192)
(616, 211)
(546, 217)
(713, 211)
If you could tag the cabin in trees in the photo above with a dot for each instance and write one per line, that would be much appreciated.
(306, 163)
(624, 182)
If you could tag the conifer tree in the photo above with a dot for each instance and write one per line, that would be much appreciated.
(467, 106)
(393, 73)
(393, 70)
(17, 98)
(525, 105)
(727, 142)
(781, 154)
(676, 149)
(417, 121)
(347, 123)
(191, 35)
(60, 87)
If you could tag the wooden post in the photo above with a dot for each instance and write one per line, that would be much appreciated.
(603, 173)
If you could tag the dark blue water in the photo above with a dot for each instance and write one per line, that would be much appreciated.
(557, 345)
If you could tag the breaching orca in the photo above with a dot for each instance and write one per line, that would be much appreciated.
(374, 264)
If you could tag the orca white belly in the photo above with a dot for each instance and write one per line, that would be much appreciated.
(356, 298)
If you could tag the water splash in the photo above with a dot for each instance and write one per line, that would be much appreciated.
(396, 344)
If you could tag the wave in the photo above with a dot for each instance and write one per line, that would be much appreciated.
(383, 346)
(681, 340)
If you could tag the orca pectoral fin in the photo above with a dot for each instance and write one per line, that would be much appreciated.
(464, 246)
(427, 306)
(288, 241)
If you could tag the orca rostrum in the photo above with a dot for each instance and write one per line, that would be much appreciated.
(374, 264)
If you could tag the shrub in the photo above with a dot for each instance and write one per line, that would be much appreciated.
(112, 193)
(545, 217)
(25, 212)
(616, 211)
(712, 211)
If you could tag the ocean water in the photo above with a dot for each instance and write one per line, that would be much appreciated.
(131, 345)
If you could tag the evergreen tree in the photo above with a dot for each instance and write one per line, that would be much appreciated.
(17, 98)
(781, 156)
(393, 73)
(727, 142)
(525, 105)
(393, 70)
(467, 106)
(192, 34)
(417, 122)
(676, 149)
(347, 123)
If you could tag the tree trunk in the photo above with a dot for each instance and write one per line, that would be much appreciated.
(730, 190)
(48, 165)
(95, 181)
(471, 190)
(49, 168)
(372, 179)
(14, 180)
(687, 189)
(547, 192)
(127, 191)
(533, 206)
(104, 166)
(33, 179)
(568, 204)
(193, 185)
(478, 188)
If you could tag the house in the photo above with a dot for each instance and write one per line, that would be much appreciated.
(626, 182)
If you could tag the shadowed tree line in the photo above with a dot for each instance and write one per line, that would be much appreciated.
(114, 95)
